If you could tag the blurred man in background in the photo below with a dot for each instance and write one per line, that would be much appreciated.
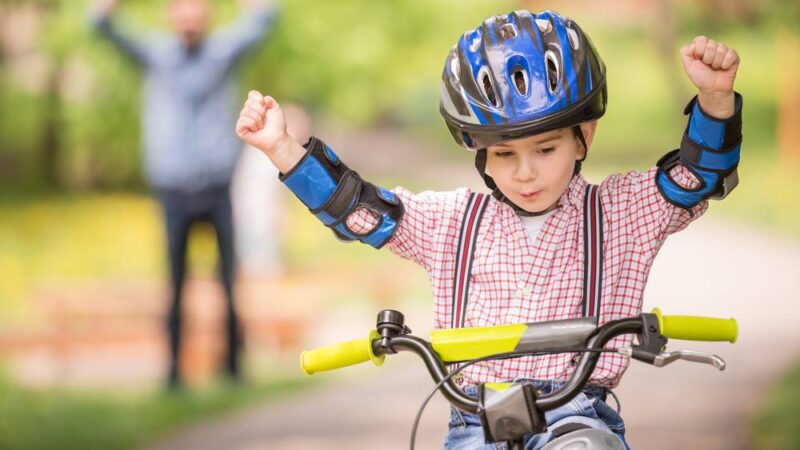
(189, 149)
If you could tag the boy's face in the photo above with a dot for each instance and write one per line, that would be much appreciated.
(533, 172)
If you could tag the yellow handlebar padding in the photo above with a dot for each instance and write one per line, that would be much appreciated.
(340, 355)
(695, 328)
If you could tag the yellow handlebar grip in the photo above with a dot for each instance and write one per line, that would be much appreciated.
(340, 355)
(695, 328)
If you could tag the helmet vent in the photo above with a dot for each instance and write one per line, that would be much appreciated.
(455, 69)
(521, 81)
(508, 31)
(488, 89)
(553, 74)
(573, 38)
(544, 25)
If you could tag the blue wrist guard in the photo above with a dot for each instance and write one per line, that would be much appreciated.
(710, 150)
(332, 191)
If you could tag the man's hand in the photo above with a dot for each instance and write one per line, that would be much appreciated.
(263, 125)
(712, 66)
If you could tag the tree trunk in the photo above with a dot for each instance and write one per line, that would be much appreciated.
(50, 144)
(665, 35)
(788, 123)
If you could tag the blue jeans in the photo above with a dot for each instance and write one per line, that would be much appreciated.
(589, 407)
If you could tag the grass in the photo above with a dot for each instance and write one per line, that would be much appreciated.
(80, 420)
(776, 426)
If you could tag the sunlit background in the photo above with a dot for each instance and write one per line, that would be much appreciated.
(83, 275)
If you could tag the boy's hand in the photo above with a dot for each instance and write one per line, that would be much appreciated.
(712, 68)
(262, 124)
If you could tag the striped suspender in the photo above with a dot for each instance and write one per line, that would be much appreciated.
(476, 205)
(592, 245)
(592, 252)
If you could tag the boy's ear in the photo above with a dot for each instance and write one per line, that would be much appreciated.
(588, 129)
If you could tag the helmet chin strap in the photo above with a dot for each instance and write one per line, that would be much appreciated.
(480, 165)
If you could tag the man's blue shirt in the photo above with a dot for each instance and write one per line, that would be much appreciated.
(189, 101)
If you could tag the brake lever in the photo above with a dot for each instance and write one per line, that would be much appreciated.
(664, 358)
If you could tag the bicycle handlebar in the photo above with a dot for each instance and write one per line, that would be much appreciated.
(508, 340)
(694, 328)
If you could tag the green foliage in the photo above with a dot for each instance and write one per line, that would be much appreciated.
(19, 112)
(364, 60)
(775, 428)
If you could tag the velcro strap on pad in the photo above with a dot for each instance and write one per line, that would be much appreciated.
(342, 201)
(722, 161)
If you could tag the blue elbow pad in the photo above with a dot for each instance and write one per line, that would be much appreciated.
(332, 191)
(710, 150)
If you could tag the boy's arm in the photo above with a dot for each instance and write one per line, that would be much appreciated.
(351, 207)
(667, 198)
(100, 19)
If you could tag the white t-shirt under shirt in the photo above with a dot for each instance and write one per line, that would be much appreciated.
(534, 224)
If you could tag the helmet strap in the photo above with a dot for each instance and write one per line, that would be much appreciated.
(579, 134)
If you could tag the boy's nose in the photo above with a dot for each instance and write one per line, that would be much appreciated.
(525, 171)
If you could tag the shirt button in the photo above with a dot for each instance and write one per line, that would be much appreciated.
(526, 291)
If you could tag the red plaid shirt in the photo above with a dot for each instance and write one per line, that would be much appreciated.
(516, 281)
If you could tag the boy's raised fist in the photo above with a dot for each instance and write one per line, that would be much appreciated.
(261, 123)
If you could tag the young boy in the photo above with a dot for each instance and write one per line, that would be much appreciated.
(525, 91)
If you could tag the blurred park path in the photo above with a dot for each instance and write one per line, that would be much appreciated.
(714, 268)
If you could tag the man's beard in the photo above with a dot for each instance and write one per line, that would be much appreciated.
(192, 39)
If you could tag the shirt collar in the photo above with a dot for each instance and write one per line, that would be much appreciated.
(573, 196)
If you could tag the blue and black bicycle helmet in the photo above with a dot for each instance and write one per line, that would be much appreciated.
(521, 74)
(518, 75)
